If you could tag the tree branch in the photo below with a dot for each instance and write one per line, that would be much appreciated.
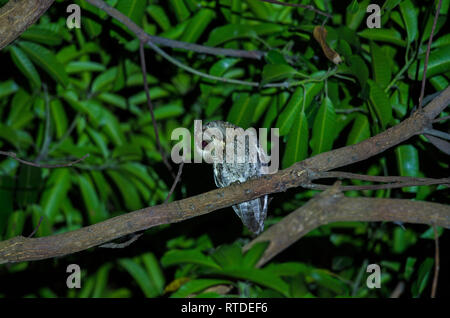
(17, 16)
(13, 155)
(26, 249)
(144, 37)
(425, 66)
(332, 206)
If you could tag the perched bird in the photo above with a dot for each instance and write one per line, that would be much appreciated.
(249, 161)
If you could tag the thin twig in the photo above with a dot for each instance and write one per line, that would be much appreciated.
(146, 38)
(173, 43)
(124, 244)
(430, 40)
(398, 291)
(180, 169)
(135, 236)
(437, 120)
(436, 263)
(399, 74)
(66, 134)
(46, 143)
(234, 81)
(13, 155)
(349, 175)
(150, 107)
(351, 110)
(37, 227)
(437, 133)
(304, 6)
(379, 186)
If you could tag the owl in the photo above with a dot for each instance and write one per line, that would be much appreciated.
(236, 156)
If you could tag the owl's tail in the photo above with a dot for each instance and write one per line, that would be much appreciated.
(253, 213)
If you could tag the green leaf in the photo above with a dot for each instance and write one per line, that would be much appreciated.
(28, 185)
(324, 129)
(87, 287)
(260, 9)
(409, 267)
(263, 103)
(90, 24)
(297, 144)
(424, 273)
(360, 130)
(18, 138)
(197, 25)
(228, 256)
(288, 116)
(275, 57)
(20, 114)
(43, 35)
(140, 172)
(409, 15)
(159, 16)
(277, 72)
(154, 271)
(140, 277)
(429, 234)
(6, 201)
(441, 41)
(408, 163)
(197, 285)
(45, 60)
(113, 99)
(403, 239)
(241, 113)
(230, 32)
(390, 4)
(105, 80)
(260, 276)
(84, 66)
(59, 117)
(101, 280)
(168, 111)
(355, 14)
(221, 66)
(16, 222)
(253, 255)
(380, 103)
(325, 279)
(439, 82)
(127, 189)
(57, 187)
(7, 88)
(353, 7)
(92, 204)
(380, 66)
(24, 64)
(438, 63)
(383, 35)
(175, 257)
(359, 69)
(181, 11)
(134, 9)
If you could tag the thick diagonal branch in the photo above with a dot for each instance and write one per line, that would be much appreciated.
(25, 249)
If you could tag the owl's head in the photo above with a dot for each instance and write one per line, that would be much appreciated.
(212, 145)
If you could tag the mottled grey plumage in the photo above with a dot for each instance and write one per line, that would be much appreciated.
(252, 213)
